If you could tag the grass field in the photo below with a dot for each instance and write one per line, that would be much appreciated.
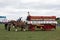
(29, 35)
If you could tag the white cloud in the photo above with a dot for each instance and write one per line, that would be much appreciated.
(42, 1)
(29, 1)
(17, 8)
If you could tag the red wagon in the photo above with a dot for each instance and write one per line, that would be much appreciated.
(42, 22)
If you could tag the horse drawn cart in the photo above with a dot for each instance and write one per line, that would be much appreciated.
(41, 22)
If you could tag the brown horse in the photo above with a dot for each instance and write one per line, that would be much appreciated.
(16, 24)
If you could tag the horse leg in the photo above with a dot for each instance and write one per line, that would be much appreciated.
(16, 29)
(9, 28)
(24, 29)
(13, 26)
(5, 27)
(21, 28)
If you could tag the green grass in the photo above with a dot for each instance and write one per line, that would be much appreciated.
(29, 35)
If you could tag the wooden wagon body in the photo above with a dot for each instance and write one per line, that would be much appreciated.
(42, 22)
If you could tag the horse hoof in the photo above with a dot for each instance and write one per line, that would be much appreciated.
(16, 30)
(24, 30)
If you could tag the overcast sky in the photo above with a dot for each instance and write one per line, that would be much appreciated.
(14, 9)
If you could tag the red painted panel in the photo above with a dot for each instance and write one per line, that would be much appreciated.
(32, 28)
(41, 17)
(48, 27)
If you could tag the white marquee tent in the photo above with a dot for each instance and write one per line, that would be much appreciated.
(3, 19)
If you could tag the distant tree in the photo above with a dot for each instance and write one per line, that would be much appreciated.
(57, 18)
